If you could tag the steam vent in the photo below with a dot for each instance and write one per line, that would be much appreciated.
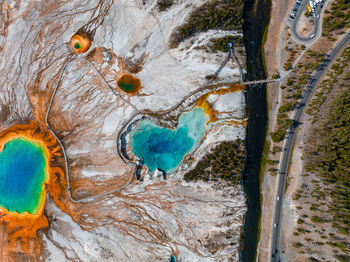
(80, 43)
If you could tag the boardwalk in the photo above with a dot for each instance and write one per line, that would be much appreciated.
(184, 103)
(261, 81)
(254, 82)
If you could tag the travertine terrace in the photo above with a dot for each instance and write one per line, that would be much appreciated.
(150, 219)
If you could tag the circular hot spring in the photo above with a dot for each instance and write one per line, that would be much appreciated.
(80, 43)
(129, 84)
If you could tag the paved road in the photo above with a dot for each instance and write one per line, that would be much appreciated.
(288, 143)
(316, 21)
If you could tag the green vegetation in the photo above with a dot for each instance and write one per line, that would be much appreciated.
(298, 245)
(287, 107)
(337, 18)
(220, 44)
(293, 52)
(330, 157)
(164, 4)
(264, 159)
(217, 14)
(226, 162)
(336, 75)
(283, 122)
(316, 219)
(343, 258)
(276, 149)
(295, 87)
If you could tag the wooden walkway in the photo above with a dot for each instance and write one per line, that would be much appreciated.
(262, 81)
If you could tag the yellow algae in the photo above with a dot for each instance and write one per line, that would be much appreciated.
(204, 104)
(208, 110)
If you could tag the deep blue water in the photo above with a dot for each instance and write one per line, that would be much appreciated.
(22, 172)
(164, 148)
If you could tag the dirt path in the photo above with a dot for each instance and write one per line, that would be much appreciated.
(279, 15)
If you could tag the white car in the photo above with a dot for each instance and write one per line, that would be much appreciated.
(312, 36)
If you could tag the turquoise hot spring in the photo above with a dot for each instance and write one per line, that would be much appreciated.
(164, 148)
(22, 174)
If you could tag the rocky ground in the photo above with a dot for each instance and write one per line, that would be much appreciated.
(150, 219)
(300, 236)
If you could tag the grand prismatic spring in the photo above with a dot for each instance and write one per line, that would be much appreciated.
(26, 176)
(23, 170)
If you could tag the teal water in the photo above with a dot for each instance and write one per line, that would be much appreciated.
(22, 172)
(164, 148)
(127, 87)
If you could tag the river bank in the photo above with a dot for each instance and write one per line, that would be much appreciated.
(279, 11)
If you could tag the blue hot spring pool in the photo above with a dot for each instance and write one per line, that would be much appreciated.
(22, 173)
(164, 148)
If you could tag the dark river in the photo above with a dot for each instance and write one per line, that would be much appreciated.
(256, 16)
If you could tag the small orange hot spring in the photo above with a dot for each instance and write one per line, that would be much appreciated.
(80, 43)
(129, 84)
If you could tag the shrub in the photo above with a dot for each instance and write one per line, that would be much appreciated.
(316, 219)
(289, 106)
(217, 14)
(220, 44)
(276, 149)
(278, 135)
(164, 4)
(225, 162)
(297, 244)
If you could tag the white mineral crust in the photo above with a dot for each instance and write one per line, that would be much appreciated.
(148, 220)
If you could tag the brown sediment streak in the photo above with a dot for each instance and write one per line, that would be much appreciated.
(97, 18)
(124, 75)
(204, 104)
(81, 40)
(237, 122)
